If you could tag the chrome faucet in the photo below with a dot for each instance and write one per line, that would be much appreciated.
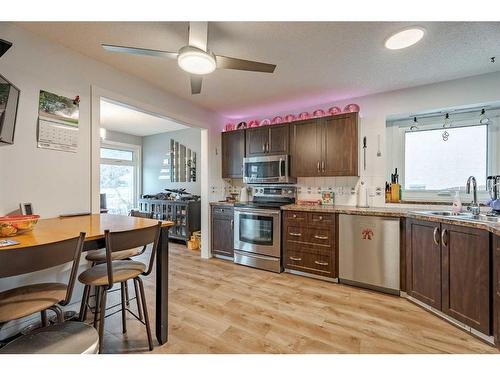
(474, 206)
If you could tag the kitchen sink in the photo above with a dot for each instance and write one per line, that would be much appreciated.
(462, 216)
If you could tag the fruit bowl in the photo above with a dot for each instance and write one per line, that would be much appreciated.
(18, 224)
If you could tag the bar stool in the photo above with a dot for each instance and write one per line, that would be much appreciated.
(103, 276)
(99, 256)
(38, 298)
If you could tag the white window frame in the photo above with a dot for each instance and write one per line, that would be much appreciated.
(396, 151)
(136, 162)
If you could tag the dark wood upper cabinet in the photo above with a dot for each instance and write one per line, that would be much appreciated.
(305, 148)
(325, 146)
(233, 152)
(496, 289)
(466, 280)
(423, 261)
(340, 145)
(267, 140)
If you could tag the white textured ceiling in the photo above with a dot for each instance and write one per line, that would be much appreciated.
(317, 61)
(121, 118)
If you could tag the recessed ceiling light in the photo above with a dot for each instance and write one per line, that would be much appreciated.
(405, 38)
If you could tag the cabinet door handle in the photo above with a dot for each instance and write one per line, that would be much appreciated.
(443, 236)
(232, 224)
(321, 263)
(436, 236)
(320, 218)
(295, 234)
(321, 237)
(323, 166)
(294, 216)
(318, 167)
(263, 147)
(267, 147)
(296, 259)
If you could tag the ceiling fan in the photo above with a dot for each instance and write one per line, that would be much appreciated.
(196, 58)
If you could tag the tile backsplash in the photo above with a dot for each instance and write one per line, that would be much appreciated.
(345, 189)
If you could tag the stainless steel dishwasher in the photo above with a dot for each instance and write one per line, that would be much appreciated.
(369, 252)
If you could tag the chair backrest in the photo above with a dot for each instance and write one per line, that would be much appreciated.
(16, 262)
(145, 215)
(124, 240)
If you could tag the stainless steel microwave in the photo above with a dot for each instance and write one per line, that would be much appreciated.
(267, 170)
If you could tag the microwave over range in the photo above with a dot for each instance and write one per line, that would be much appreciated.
(267, 170)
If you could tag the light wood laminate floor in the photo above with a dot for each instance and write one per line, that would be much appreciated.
(219, 307)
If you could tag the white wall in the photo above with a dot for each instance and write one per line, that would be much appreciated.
(120, 137)
(154, 150)
(376, 108)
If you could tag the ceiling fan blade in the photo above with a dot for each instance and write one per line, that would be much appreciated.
(139, 51)
(198, 35)
(224, 62)
(196, 84)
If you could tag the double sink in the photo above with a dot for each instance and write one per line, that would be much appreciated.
(467, 216)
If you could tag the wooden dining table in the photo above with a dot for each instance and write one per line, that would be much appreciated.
(57, 229)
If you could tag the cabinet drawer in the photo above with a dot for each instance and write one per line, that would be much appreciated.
(295, 217)
(222, 211)
(321, 219)
(321, 236)
(295, 233)
(309, 260)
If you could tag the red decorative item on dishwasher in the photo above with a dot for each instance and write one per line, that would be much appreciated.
(304, 116)
(351, 108)
(277, 120)
(334, 110)
(318, 113)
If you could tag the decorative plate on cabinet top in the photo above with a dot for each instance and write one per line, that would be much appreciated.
(253, 123)
(334, 110)
(241, 125)
(351, 108)
(229, 126)
(304, 116)
(277, 120)
(289, 118)
(318, 113)
(265, 122)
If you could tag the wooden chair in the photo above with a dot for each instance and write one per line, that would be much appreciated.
(103, 276)
(38, 298)
(99, 256)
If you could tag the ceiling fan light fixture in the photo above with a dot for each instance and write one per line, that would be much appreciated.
(196, 61)
(405, 38)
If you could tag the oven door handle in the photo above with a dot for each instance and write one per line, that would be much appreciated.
(257, 211)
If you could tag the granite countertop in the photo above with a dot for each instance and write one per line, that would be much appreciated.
(411, 212)
(222, 203)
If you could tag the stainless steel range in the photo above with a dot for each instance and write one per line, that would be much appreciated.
(257, 227)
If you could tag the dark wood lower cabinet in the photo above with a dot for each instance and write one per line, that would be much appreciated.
(466, 275)
(309, 243)
(448, 268)
(222, 231)
(496, 289)
(423, 262)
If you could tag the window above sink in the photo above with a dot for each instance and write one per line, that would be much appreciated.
(435, 155)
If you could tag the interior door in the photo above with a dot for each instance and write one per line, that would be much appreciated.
(340, 145)
(305, 148)
(466, 270)
(423, 261)
(257, 141)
